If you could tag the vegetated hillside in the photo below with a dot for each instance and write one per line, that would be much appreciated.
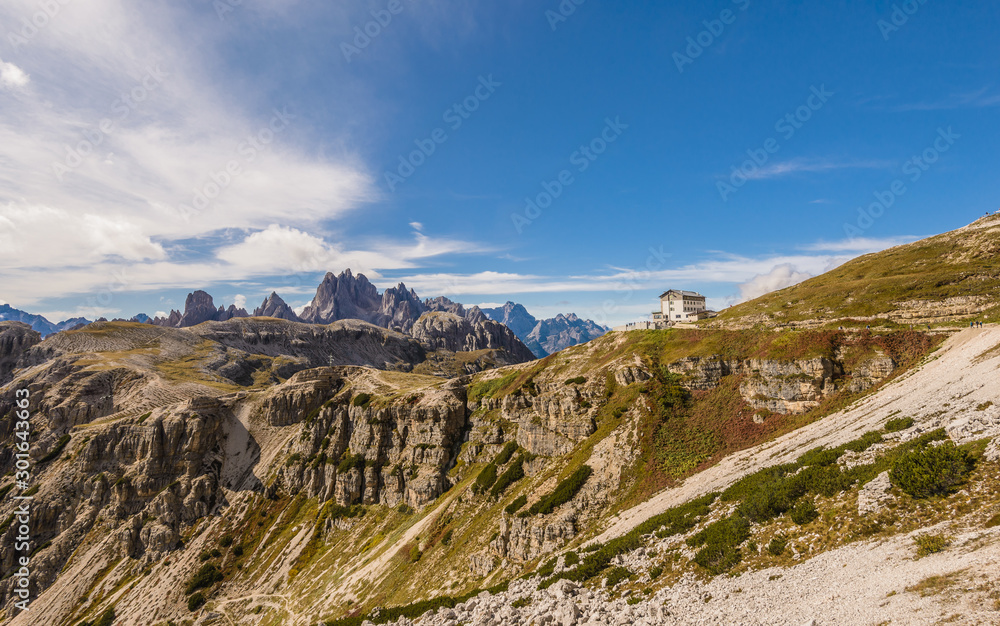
(167, 490)
(950, 278)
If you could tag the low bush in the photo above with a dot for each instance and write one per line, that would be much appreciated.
(362, 399)
(512, 474)
(506, 453)
(929, 544)
(898, 424)
(616, 575)
(485, 479)
(446, 539)
(777, 545)
(516, 505)
(570, 559)
(993, 521)
(350, 461)
(654, 572)
(563, 492)
(56, 450)
(206, 576)
(547, 568)
(196, 601)
(931, 471)
(226, 541)
(579, 380)
(803, 512)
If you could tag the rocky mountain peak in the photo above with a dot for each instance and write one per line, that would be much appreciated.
(343, 297)
(274, 306)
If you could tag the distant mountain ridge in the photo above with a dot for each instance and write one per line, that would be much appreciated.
(37, 322)
(353, 296)
(544, 337)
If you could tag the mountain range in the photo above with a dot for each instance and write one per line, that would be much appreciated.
(256, 470)
(349, 296)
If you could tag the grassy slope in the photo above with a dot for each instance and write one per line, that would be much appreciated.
(954, 264)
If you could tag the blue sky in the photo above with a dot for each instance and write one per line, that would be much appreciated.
(725, 147)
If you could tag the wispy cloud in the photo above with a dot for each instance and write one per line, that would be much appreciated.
(859, 245)
(981, 98)
(798, 166)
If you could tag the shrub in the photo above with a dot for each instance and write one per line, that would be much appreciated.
(520, 603)
(571, 558)
(993, 521)
(106, 618)
(579, 380)
(195, 601)
(207, 576)
(804, 512)
(446, 539)
(238, 550)
(226, 541)
(513, 474)
(516, 505)
(616, 575)
(777, 545)
(56, 450)
(898, 424)
(563, 493)
(362, 399)
(506, 453)
(931, 471)
(485, 479)
(654, 572)
(350, 461)
(548, 568)
(721, 540)
(929, 544)
(415, 553)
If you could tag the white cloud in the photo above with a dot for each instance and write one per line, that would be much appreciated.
(240, 301)
(860, 245)
(781, 276)
(12, 76)
(161, 314)
(795, 166)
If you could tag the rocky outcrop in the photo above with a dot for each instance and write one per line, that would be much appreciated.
(343, 297)
(274, 306)
(16, 338)
(447, 331)
(198, 308)
(522, 539)
(365, 449)
(783, 386)
(400, 308)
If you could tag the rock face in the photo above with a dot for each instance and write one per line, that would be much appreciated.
(782, 386)
(448, 331)
(16, 338)
(198, 308)
(371, 452)
(544, 337)
(343, 297)
(274, 306)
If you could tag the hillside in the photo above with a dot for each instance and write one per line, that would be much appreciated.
(266, 471)
(946, 279)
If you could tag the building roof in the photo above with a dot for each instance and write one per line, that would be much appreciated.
(686, 294)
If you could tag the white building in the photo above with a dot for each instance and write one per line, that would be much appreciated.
(681, 306)
(676, 307)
